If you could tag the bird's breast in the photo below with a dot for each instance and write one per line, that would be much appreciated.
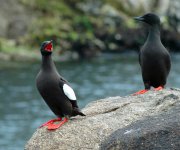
(47, 83)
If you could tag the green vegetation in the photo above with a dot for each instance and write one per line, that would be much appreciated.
(57, 20)
(82, 26)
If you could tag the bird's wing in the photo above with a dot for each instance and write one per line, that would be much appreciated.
(139, 57)
(168, 62)
(69, 92)
(63, 80)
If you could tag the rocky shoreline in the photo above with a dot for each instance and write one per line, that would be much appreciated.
(148, 121)
(86, 27)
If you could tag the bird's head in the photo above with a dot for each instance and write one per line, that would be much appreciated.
(149, 18)
(46, 47)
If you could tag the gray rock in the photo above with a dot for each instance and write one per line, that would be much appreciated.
(112, 116)
(173, 14)
(15, 19)
(161, 132)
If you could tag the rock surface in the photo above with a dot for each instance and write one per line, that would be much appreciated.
(155, 132)
(115, 116)
(173, 14)
(15, 19)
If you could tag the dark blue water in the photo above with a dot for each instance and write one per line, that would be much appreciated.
(22, 110)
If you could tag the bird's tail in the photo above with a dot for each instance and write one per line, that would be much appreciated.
(76, 111)
(81, 114)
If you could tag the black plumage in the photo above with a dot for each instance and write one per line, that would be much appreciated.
(154, 58)
(54, 88)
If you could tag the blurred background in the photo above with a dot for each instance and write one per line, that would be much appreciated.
(96, 46)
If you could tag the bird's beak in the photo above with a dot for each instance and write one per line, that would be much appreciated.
(49, 46)
(139, 18)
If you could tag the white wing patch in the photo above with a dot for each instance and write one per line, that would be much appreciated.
(69, 92)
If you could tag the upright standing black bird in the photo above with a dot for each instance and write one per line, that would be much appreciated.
(55, 90)
(154, 59)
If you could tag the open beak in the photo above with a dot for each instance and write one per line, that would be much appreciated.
(49, 46)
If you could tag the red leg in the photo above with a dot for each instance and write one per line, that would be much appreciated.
(53, 126)
(159, 88)
(140, 92)
(50, 122)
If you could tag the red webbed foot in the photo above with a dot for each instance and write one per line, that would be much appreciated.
(54, 126)
(159, 88)
(140, 92)
(50, 122)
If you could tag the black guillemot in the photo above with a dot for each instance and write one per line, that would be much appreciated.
(55, 90)
(154, 58)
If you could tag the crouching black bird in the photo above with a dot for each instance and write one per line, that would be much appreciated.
(154, 59)
(55, 90)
